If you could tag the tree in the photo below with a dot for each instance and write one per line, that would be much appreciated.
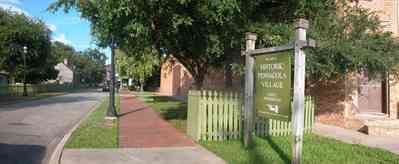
(89, 66)
(350, 41)
(209, 33)
(62, 51)
(136, 66)
(17, 31)
(181, 28)
(95, 68)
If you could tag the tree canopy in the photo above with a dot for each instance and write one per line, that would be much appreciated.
(17, 31)
(62, 51)
(210, 33)
(88, 66)
(354, 42)
(137, 66)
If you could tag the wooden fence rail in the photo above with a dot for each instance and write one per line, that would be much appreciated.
(218, 116)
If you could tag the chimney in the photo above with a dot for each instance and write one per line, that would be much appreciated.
(66, 61)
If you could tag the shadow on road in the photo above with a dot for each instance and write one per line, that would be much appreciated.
(21, 154)
(48, 101)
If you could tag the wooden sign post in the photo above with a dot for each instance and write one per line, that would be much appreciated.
(270, 70)
(249, 113)
(299, 90)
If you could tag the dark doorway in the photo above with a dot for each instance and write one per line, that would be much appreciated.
(372, 95)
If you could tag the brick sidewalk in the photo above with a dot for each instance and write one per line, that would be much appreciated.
(141, 127)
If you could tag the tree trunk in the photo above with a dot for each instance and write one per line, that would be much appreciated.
(25, 90)
(198, 81)
(141, 86)
(228, 76)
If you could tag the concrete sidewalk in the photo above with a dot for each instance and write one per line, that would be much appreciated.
(349, 136)
(170, 155)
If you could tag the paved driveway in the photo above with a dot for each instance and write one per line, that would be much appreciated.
(30, 131)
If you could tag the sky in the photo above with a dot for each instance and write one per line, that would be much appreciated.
(68, 28)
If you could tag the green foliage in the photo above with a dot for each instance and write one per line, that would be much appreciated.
(351, 43)
(137, 66)
(187, 29)
(89, 66)
(210, 33)
(62, 51)
(17, 31)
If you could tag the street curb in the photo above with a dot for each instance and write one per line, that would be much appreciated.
(55, 157)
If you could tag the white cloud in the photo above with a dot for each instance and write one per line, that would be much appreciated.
(16, 2)
(11, 5)
(62, 38)
(70, 20)
(52, 27)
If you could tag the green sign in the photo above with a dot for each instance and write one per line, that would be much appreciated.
(273, 85)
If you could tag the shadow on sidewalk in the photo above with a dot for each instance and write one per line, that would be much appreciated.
(132, 111)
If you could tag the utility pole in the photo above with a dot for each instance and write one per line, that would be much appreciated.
(25, 51)
(111, 113)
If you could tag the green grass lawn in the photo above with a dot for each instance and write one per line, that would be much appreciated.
(174, 111)
(317, 149)
(94, 131)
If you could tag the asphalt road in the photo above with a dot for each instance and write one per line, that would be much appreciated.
(30, 131)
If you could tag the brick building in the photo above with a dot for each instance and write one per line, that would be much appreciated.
(355, 101)
(176, 80)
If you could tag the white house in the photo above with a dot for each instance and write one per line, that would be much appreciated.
(65, 73)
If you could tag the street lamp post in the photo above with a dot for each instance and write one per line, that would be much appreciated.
(24, 58)
(111, 113)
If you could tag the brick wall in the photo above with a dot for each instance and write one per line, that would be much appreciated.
(330, 98)
(387, 10)
(394, 98)
(176, 80)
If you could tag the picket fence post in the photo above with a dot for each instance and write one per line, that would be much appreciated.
(193, 113)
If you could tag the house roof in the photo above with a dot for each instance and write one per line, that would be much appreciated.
(4, 73)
